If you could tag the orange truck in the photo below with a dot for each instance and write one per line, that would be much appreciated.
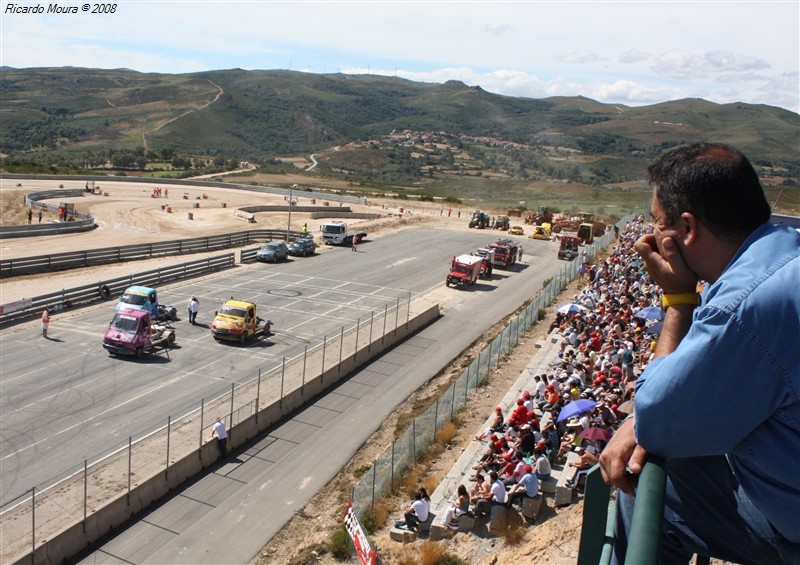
(464, 270)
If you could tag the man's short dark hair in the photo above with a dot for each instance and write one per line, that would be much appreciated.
(714, 182)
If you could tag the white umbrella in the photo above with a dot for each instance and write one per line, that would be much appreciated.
(571, 309)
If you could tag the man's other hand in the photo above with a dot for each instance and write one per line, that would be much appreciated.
(623, 453)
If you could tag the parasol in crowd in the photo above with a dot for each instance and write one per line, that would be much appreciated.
(650, 313)
(571, 309)
(595, 434)
(576, 407)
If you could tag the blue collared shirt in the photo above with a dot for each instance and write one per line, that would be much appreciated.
(732, 386)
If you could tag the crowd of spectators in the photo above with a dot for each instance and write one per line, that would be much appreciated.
(605, 344)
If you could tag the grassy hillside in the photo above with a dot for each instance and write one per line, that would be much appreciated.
(450, 139)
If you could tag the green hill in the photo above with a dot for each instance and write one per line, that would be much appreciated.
(453, 131)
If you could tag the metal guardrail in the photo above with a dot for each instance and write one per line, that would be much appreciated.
(79, 221)
(106, 289)
(106, 255)
(191, 183)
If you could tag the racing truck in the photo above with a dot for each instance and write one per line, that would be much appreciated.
(464, 270)
(569, 247)
(146, 298)
(132, 332)
(337, 233)
(505, 252)
(541, 232)
(237, 321)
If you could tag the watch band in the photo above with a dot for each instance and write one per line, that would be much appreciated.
(668, 300)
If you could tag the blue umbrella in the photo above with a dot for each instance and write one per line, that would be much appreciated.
(650, 313)
(655, 328)
(571, 309)
(576, 407)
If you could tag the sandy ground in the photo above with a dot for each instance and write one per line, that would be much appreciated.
(129, 215)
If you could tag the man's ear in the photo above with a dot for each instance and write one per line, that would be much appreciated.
(687, 227)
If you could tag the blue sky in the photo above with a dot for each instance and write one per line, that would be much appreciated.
(630, 53)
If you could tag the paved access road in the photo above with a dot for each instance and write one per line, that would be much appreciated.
(66, 400)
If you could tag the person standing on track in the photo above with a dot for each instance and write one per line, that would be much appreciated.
(193, 307)
(222, 436)
(45, 322)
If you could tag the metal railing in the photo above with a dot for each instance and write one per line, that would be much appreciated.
(106, 289)
(141, 251)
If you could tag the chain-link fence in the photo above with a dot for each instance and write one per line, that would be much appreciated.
(406, 450)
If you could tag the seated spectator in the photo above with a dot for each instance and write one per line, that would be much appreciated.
(527, 487)
(496, 495)
(542, 466)
(527, 440)
(458, 507)
(414, 514)
(589, 458)
(520, 414)
(497, 425)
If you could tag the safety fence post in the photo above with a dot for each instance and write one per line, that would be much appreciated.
(33, 524)
(324, 345)
(358, 327)
(283, 372)
(341, 345)
(305, 354)
(374, 468)
(85, 491)
(169, 426)
(414, 439)
(202, 410)
(385, 315)
(371, 320)
(258, 395)
(130, 451)
(230, 423)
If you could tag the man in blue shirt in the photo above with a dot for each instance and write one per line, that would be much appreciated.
(721, 398)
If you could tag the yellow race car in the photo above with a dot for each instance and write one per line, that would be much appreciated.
(516, 230)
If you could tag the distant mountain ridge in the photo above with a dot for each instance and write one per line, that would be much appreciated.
(262, 114)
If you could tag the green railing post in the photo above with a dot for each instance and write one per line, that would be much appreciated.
(595, 514)
(648, 513)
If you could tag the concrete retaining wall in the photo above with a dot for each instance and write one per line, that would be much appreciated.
(73, 539)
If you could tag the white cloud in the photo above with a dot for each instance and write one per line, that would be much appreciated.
(498, 31)
(634, 56)
(581, 57)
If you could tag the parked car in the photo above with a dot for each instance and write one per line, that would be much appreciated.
(273, 252)
(303, 246)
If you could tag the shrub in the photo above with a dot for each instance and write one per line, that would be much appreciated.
(428, 553)
(376, 515)
(511, 528)
(339, 544)
(446, 433)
